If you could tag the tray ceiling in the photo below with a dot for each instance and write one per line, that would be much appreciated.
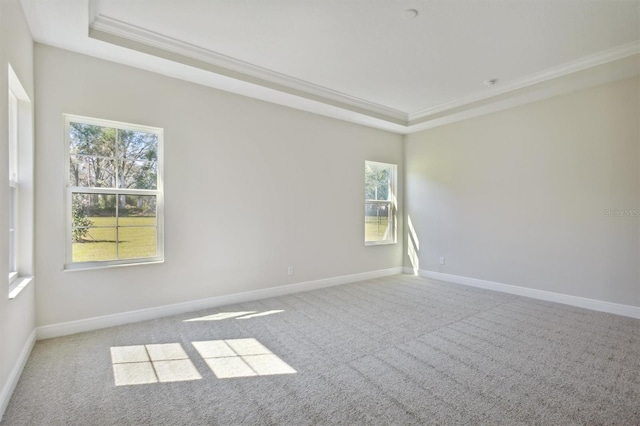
(371, 62)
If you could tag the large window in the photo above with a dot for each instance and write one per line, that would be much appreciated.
(20, 179)
(114, 193)
(379, 203)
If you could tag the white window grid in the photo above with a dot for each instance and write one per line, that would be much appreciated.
(117, 192)
(390, 202)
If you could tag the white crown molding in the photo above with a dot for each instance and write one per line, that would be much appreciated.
(95, 323)
(581, 64)
(235, 68)
(565, 299)
(608, 72)
(284, 90)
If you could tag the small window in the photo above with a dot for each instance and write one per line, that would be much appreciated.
(379, 203)
(114, 193)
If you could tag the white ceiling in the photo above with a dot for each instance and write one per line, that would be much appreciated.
(359, 60)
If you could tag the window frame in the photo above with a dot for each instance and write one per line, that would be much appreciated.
(69, 190)
(392, 201)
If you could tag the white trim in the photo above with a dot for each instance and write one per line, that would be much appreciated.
(16, 86)
(16, 371)
(379, 243)
(610, 55)
(229, 66)
(626, 67)
(113, 124)
(72, 327)
(566, 299)
(129, 36)
(19, 284)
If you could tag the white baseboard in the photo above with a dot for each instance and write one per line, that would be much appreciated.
(581, 302)
(72, 327)
(16, 371)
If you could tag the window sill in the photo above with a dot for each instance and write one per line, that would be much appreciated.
(16, 287)
(379, 243)
(89, 266)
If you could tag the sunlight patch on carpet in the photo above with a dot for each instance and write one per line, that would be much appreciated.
(157, 363)
(237, 315)
(241, 358)
(261, 314)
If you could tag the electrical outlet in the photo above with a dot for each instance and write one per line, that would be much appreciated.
(290, 270)
(442, 260)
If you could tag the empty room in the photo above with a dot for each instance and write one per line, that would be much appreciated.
(310, 212)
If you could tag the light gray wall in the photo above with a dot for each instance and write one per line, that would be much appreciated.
(17, 317)
(227, 157)
(519, 197)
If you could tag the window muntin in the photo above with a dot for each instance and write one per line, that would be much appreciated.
(379, 204)
(114, 191)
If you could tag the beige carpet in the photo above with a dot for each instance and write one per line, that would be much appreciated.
(398, 350)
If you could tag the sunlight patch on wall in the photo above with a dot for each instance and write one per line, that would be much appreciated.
(413, 234)
(413, 256)
(241, 358)
(142, 364)
(413, 247)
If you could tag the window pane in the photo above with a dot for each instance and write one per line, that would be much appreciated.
(138, 152)
(91, 210)
(137, 210)
(136, 242)
(13, 203)
(377, 182)
(91, 140)
(13, 238)
(135, 145)
(91, 171)
(13, 264)
(98, 244)
(139, 174)
(13, 137)
(377, 221)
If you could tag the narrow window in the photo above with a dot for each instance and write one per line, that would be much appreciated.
(20, 201)
(379, 203)
(13, 187)
(114, 193)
